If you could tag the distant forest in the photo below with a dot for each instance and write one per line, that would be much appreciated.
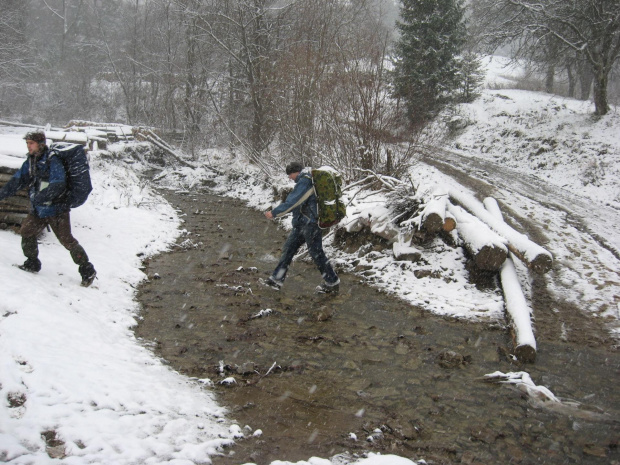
(351, 82)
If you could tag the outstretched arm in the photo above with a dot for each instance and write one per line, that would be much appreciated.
(302, 191)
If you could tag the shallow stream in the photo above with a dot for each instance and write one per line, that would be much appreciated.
(314, 372)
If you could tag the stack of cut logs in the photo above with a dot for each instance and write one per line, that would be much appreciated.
(14, 209)
(491, 243)
(484, 234)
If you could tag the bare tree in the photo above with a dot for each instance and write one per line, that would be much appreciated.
(15, 57)
(588, 28)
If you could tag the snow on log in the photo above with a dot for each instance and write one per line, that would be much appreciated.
(379, 222)
(434, 213)
(406, 252)
(537, 258)
(73, 137)
(524, 382)
(516, 305)
(486, 247)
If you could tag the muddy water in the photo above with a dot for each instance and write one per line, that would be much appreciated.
(311, 369)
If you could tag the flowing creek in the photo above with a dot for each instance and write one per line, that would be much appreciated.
(312, 369)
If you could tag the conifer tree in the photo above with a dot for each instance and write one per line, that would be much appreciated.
(426, 65)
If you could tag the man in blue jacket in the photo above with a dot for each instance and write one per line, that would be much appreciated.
(302, 203)
(44, 175)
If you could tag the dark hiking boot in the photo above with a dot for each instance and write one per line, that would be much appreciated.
(272, 283)
(31, 265)
(88, 274)
(326, 288)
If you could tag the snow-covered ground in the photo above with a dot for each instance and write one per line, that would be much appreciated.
(554, 138)
(74, 381)
(72, 370)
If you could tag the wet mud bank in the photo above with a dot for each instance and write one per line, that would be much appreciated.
(361, 371)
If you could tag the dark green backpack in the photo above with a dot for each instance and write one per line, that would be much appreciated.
(327, 187)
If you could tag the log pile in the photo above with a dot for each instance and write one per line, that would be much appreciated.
(148, 135)
(14, 209)
(474, 224)
(100, 134)
(533, 255)
(490, 243)
(92, 135)
(493, 245)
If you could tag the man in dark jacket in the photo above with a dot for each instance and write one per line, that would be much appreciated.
(45, 177)
(302, 203)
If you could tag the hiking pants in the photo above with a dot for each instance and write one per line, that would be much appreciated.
(32, 226)
(305, 232)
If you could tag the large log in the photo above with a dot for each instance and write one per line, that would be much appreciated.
(4, 178)
(7, 170)
(534, 256)
(517, 308)
(11, 206)
(434, 213)
(72, 137)
(487, 248)
(12, 218)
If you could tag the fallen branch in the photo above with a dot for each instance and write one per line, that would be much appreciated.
(149, 136)
(387, 181)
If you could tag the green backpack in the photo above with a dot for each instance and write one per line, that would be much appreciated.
(327, 187)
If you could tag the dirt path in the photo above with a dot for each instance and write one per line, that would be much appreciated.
(310, 370)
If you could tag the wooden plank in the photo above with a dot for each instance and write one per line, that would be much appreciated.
(4, 178)
(7, 170)
(12, 218)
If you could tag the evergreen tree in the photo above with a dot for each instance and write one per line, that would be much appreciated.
(470, 78)
(426, 65)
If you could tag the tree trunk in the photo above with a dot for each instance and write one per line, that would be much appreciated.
(550, 79)
(600, 93)
(571, 81)
(585, 80)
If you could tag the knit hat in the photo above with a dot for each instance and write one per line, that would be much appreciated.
(36, 136)
(294, 167)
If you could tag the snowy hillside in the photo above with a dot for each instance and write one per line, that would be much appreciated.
(554, 138)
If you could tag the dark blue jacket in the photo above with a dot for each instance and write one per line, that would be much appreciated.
(301, 201)
(46, 180)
